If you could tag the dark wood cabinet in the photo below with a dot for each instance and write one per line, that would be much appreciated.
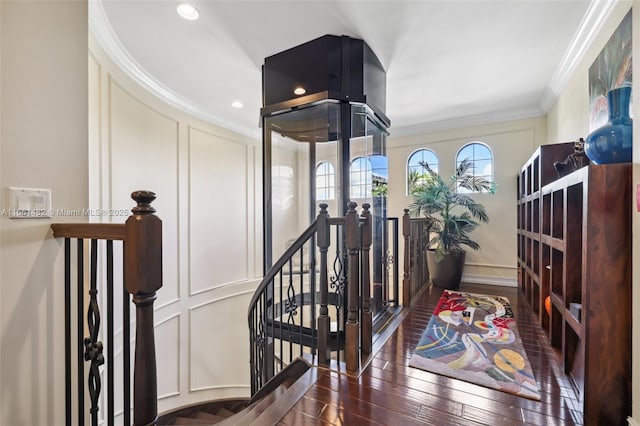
(535, 174)
(574, 246)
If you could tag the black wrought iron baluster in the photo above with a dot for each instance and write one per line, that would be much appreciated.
(67, 330)
(126, 356)
(291, 308)
(406, 277)
(93, 347)
(312, 292)
(301, 277)
(252, 358)
(280, 318)
(261, 340)
(80, 328)
(387, 264)
(395, 259)
(337, 282)
(110, 336)
(256, 350)
(271, 324)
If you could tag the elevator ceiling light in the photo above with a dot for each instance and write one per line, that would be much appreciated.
(299, 91)
(188, 12)
(237, 104)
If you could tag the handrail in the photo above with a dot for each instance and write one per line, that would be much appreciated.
(282, 261)
(270, 302)
(283, 311)
(98, 231)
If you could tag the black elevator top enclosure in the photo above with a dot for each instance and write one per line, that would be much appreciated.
(329, 67)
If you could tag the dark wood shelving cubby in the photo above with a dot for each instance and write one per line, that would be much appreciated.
(574, 246)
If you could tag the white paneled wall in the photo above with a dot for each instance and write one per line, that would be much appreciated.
(220, 175)
(206, 181)
(143, 152)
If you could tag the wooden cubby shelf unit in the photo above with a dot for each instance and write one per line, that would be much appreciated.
(535, 174)
(581, 259)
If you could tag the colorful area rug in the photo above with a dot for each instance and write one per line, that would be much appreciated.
(473, 337)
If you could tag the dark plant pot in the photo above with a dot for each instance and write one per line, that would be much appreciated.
(447, 272)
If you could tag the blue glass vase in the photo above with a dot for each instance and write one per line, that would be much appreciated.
(612, 143)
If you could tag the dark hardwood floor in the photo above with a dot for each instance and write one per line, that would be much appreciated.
(389, 392)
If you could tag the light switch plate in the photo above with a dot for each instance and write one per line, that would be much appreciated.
(29, 203)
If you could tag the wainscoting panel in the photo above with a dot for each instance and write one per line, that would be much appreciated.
(218, 251)
(206, 180)
(218, 357)
(144, 146)
(168, 339)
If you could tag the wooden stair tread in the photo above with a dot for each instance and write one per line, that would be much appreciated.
(272, 407)
(213, 418)
(223, 412)
(286, 391)
(210, 412)
(252, 412)
(189, 421)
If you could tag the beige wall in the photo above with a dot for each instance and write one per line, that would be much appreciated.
(43, 144)
(512, 143)
(569, 119)
(207, 180)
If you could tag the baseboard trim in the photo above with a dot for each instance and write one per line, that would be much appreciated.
(490, 280)
(632, 422)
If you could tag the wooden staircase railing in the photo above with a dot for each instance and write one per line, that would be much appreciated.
(141, 237)
(415, 232)
(290, 313)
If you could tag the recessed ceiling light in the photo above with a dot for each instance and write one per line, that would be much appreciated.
(299, 91)
(188, 12)
(237, 104)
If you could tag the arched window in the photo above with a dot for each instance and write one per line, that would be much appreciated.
(416, 172)
(325, 181)
(481, 158)
(360, 176)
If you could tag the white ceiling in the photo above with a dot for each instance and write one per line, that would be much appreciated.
(449, 63)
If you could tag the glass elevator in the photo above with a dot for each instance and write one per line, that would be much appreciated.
(324, 141)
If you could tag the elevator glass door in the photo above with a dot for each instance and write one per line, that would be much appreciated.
(369, 174)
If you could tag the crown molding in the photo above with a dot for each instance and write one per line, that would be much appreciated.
(106, 38)
(597, 14)
(591, 24)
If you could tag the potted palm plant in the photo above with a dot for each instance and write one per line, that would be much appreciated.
(453, 214)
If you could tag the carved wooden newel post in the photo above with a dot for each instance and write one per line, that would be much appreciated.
(143, 277)
(352, 328)
(406, 277)
(367, 316)
(324, 322)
